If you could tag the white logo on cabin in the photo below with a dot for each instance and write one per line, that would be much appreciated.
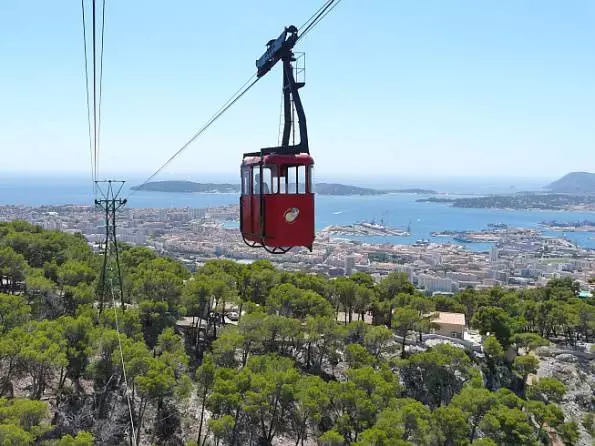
(291, 214)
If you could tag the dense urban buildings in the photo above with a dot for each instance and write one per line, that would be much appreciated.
(518, 258)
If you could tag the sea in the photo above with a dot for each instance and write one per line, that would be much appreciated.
(394, 210)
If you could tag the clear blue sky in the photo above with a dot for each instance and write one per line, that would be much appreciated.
(405, 88)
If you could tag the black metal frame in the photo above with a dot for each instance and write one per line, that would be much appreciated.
(110, 204)
(280, 49)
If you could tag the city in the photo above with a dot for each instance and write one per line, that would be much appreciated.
(518, 257)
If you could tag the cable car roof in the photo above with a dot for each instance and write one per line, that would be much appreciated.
(275, 158)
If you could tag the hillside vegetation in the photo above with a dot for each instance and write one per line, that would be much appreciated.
(288, 373)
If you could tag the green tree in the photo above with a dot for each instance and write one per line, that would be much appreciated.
(352, 410)
(78, 347)
(42, 354)
(11, 345)
(321, 342)
(404, 321)
(311, 403)
(546, 390)
(378, 340)
(12, 267)
(389, 288)
(569, 433)
(158, 384)
(495, 321)
(406, 422)
(545, 414)
(205, 379)
(225, 347)
(22, 420)
(155, 317)
(346, 290)
(529, 341)
(508, 426)
(81, 439)
(271, 395)
(452, 422)
(494, 355)
(436, 375)
(357, 356)
(471, 300)
(484, 442)
(14, 312)
(290, 301)
(475, 403)
(331, 438)
(11, 435)
(524, 366)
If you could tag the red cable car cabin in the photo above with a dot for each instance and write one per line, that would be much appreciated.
(277, 203)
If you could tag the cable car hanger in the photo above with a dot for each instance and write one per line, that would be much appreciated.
(281, 49)
(276, 214)
(283, 160)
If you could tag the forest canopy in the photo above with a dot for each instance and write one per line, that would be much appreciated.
(251, 355)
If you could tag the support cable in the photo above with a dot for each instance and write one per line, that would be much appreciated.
(232, 100)
(327, 7)
(324, 5)
(91, 152)
(123, 363)
(323, 12)
(100, 87)
(94, 59)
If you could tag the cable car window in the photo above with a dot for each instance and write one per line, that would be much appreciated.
(301, 179)
(267, 180)
(256, 180)
(246, 181)
(310, 180)
(292, 179)
(283, 180)
(274, 180)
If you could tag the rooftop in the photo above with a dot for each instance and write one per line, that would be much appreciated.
(444, 317)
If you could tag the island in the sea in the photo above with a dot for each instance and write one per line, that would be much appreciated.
(188, 186)
(320, 188)
(522, 201)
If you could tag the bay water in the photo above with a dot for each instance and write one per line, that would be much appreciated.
(395, 210)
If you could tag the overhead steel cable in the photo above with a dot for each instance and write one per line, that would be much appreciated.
(328, 6)
(91, 151)
(93, 58)
(133, 431)
(232, 100)
(94, 54)
(313, 16)
(323, 12)
(100, 88)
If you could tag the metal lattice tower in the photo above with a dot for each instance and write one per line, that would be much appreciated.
(110, 204)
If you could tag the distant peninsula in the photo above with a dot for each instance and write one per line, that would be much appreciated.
(574, 183)
(522, 201)
(320, 188)
(188, 186)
